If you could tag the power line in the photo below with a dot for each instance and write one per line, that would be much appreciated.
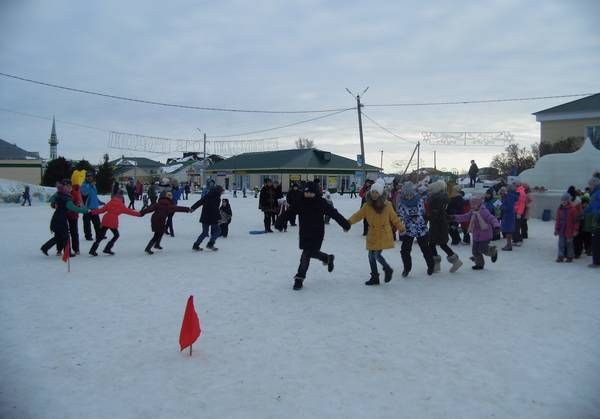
(109, 130)
(172, 105)
(386, 130)
(282, 126)
(467, 102)
(50, 119)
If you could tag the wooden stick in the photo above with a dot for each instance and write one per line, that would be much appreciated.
(190, 350)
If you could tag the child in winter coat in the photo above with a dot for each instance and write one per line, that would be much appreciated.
(565, 228)
(209, 217)
(509, 219)
(161, 211)
(26, 196)
(438, 226)
(311, 210)
(62, 202)
(481, 226)
(380, 216)
(281, 222)
(411, 211)
(110, 221)
(226, 215)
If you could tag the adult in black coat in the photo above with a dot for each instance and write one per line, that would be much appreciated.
(473, 171)
(311, 211)
(209, 217)
(160, 211)
(267, 204)
(294, 196)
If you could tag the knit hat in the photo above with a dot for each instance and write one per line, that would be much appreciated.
(565, 197)
(475, 201)
(437, 186)
(378, 186)
(408, 188)
(310, 187)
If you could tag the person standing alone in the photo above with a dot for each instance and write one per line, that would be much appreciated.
(473, 170)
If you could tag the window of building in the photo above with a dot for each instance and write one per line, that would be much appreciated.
(593, 133)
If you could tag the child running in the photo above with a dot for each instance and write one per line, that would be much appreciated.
(209, 217)
(311, 210)
(411, 211)
(380, 216)
(481, 227)
(62, 202)
(164, 208)
(110, 221)
(438, 226)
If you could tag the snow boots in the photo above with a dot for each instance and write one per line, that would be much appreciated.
(455, 261)
(298, 280)
(493, 254)
(437, 260)
(330, 263)
(374, 280)
(387, 274)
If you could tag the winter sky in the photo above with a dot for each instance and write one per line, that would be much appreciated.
(289, 56)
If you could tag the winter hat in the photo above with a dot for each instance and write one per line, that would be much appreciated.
(437, 186)
(593, 183)
(310, 187)
(408, 188)
(280, 201)
(565, 197)
(476, 201)
(585, 198)
(378, 186)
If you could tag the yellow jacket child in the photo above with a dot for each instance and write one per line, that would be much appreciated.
(380, 216)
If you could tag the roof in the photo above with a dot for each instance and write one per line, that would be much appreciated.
(10, 151)
(586, 104)
(301, 159)
(177, 166)
(136, 161)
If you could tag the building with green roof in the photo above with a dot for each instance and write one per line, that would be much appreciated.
(578, 119)
(249, 170)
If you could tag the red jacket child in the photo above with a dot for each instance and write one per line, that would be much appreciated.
(566, 220)
(113, 209)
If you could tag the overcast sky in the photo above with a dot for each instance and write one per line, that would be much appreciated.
(284, 55)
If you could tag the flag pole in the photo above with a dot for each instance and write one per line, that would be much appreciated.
(190, 350)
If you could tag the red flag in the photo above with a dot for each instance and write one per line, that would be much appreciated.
(190, 328)
(67, 251)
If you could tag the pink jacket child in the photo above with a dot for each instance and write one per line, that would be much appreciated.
(521, 204)
(481, 226)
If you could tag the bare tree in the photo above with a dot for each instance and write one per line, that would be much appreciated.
(303, 142)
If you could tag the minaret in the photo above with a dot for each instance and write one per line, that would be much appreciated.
(53, 141)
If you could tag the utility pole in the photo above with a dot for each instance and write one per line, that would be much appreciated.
(202, 182)
(381, 161)
(434, 160)
(418, 158)
(360, 131)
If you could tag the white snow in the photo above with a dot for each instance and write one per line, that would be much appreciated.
(518, 340)
(11, 191)
(172, 168)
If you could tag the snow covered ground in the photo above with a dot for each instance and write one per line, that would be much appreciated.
(518, 340)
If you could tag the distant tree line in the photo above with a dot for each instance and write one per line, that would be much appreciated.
(61, 168)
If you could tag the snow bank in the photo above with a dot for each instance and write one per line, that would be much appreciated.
(11, 191)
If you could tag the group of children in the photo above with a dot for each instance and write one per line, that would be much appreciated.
(67, 203)
(577, 224)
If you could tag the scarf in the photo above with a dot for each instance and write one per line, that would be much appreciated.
(482, 224)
